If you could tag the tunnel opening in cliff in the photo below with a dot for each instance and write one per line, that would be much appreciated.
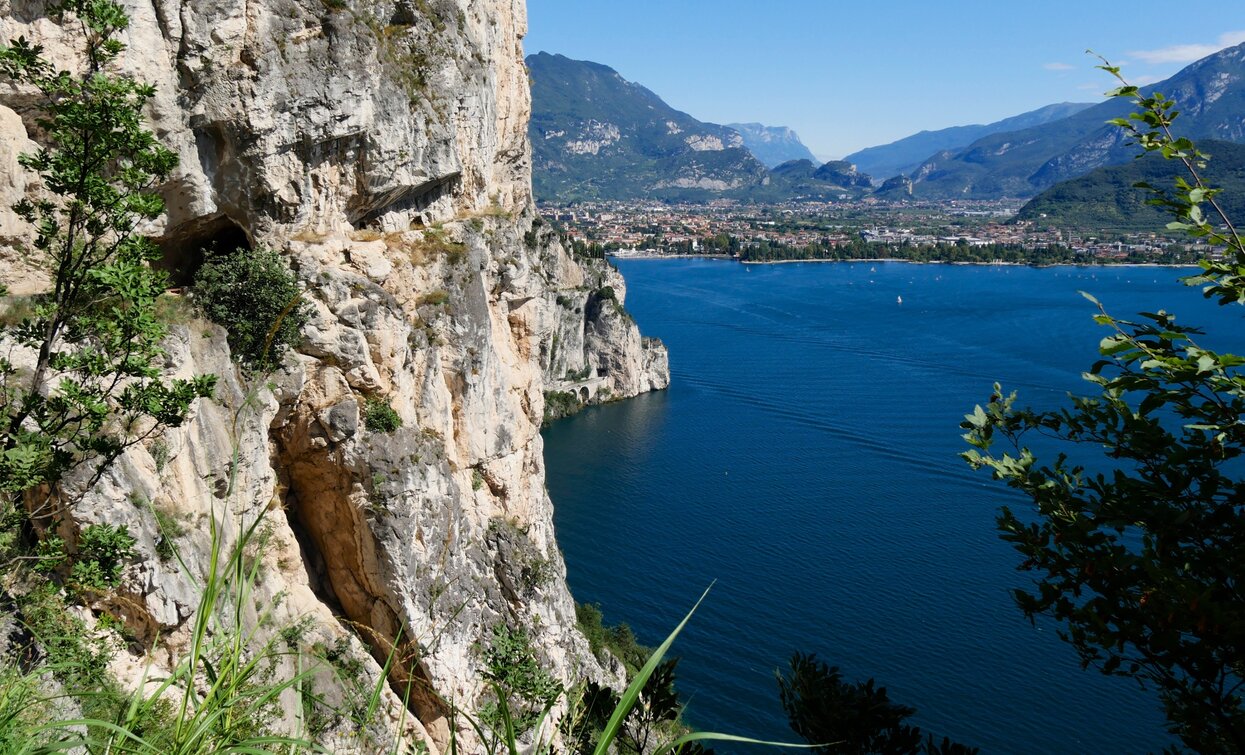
(183, 250)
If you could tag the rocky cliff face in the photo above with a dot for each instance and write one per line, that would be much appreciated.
(381, 146)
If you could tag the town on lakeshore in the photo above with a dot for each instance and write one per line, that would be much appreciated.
(869, 228)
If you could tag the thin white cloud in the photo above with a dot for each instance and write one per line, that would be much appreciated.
(1058, 67)
(1189, 53)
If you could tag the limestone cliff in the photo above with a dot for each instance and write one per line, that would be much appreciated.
(381, 146)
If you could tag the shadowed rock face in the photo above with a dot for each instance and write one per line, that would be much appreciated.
(382, 149)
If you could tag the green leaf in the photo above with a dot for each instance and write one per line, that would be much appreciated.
(708, 736)
(1112, 345)
(632, 694)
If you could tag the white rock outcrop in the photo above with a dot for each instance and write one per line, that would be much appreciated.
(705, 143)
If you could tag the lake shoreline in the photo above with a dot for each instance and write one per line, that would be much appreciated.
(874, 260)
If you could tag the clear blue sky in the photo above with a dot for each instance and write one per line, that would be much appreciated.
(848, 75)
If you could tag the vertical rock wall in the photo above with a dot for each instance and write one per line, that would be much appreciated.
(380, 146)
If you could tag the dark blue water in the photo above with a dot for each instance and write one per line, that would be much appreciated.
(805, 458)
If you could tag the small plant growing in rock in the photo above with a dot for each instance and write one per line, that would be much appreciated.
(380, 417)
(170, 529)
(294, 634)
(160, 454)
(435, 298)
(511, 664)
(103, 550)
(537, 573)
(256, 298)
(49, 554)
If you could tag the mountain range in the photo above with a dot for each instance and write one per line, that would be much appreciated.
(596, 135)
(906, 155)
(1021, 163)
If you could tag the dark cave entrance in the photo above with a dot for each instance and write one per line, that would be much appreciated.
(184, 249)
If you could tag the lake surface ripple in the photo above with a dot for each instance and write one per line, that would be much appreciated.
(805, 459)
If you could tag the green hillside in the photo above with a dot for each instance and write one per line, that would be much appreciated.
(1105, 199)
(596, 135)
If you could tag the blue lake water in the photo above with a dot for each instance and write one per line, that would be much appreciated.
(805, 459)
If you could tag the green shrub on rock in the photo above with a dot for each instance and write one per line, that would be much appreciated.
(255, 297)
(511, 665)
(103, 550)
(380, 417)
(559, 404)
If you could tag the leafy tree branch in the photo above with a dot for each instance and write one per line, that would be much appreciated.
(80, 377)
(1138, 550)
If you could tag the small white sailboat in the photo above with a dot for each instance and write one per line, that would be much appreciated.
(899, 300)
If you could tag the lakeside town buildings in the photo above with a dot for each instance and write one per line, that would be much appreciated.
(656, 229)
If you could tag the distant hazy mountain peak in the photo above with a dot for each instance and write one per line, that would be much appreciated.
(772, 145)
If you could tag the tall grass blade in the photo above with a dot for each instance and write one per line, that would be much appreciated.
(537, 747)
(702, 736)
(508, 734)
(629, 698)
(378, 689)
(475, 726)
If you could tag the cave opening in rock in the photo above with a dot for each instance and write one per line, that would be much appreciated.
(184, 248)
